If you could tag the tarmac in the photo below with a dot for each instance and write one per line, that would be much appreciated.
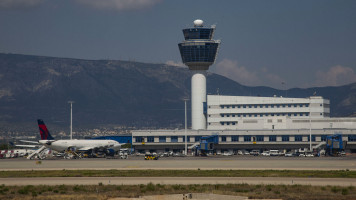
(183, 163)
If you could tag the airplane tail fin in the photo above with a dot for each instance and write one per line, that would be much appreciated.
(45, 135)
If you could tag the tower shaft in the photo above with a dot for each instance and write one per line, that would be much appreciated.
(198, 100)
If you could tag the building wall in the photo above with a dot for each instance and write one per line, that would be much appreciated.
(270, 139)
(243, 112)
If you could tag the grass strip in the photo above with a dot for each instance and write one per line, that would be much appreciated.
(180, 173)
(102, 191)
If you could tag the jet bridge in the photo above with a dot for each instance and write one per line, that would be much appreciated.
(334, 144)
(207, 144)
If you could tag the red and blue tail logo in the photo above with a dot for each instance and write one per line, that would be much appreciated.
(45, 135)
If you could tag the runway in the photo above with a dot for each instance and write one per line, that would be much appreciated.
(177, 180)
(222, 163)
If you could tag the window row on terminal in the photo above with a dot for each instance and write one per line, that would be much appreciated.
(240, 138)
(266, 105)
(264, 114)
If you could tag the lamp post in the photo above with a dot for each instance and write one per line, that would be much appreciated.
(310, 132)
(185, 126)
(71, 121)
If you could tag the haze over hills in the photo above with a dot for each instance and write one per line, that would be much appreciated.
(120, 92)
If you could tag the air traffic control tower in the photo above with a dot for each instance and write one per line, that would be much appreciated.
(198, 52)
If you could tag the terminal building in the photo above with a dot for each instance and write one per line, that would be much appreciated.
(242, 122)
(246, 123)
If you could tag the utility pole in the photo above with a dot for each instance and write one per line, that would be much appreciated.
(71, 121)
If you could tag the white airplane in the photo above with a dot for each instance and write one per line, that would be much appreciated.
(109, 147)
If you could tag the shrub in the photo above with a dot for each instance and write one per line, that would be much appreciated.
(76, 188)
(150, 187)
(344, 191)
(334, 189)
(22, 191)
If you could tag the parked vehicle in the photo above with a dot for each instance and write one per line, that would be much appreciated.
(274, 153)
(288, 154)
(255, 152)
(265, 153)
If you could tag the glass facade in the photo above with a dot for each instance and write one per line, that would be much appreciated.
(247, 138)
(223, 138)
(234, 138)
(351, 138)
(285, 138)
(150, 139)
(198, 33)
(260, 138)
(162, 138)
(139, 139)
(198, 51)
(174, 138)
(198, 47)
(272, 138)
(298, 138)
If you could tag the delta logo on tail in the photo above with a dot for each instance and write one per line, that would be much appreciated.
(45, 135)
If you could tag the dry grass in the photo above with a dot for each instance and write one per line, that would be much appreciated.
(180, 173)
(101, 191)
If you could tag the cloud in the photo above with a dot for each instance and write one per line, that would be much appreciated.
(241, 74)
(15, 4)
(335, 76)
(230, 69)
(119, 4)
(176, 64)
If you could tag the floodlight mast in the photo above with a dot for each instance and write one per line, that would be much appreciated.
(71, 121)
(198, 52)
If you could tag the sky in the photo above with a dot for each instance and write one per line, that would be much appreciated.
(276, 43)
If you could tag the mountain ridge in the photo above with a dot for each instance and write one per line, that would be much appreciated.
(121, 92)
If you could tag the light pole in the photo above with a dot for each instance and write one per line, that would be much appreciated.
(71, 121)
(185, 126)
(310, 133)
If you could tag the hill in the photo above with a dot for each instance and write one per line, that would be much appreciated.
(110, 92)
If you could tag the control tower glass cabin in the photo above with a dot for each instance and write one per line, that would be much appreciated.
(198, 52)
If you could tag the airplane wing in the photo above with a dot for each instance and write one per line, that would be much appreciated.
(85, 149)
(32, 142)
(26, 146)
(91, 148)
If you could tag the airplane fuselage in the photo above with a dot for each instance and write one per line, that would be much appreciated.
(81, 145)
